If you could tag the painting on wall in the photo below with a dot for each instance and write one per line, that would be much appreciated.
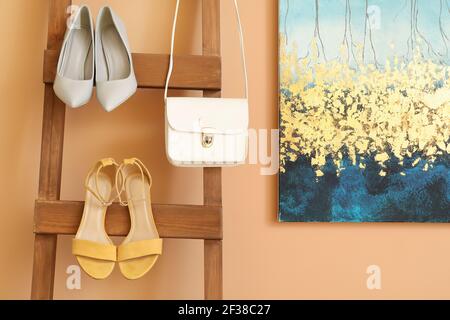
(364, 100)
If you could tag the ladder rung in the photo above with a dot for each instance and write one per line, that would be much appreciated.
(173, 221)
(191, 72)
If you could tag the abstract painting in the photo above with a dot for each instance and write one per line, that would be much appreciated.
(364, 101)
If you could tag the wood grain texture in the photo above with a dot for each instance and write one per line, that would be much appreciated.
(43, 267)
(172, 221)
(212, 177)
(51, 146)
(213, 270)
(57, 23)
(212, 186)
(190, 72)
(44, 258)
(211, 27)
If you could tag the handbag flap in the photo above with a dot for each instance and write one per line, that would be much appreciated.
(220, 115)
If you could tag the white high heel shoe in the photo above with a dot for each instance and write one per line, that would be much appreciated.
(74, 80)
(115, 79)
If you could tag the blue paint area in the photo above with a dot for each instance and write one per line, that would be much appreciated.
(363, 195)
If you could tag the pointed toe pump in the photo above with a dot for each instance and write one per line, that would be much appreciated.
(75, 70)
(92, 247)
(115, 78)
(141, 248)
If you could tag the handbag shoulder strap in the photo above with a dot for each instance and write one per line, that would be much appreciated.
(172, 44)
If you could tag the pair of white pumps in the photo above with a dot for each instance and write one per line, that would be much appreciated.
(107, 55)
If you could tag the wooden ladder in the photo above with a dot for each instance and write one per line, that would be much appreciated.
(55, 217)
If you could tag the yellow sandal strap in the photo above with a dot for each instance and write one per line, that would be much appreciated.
(90, 249)
(139, 249)
(144, 174)
(95, 171)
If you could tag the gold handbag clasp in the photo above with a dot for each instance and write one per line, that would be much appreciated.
(207, 138)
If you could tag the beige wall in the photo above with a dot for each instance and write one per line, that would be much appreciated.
(262, 258)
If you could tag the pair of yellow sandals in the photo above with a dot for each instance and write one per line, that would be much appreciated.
(93, 248)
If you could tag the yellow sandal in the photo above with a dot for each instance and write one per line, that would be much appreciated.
(142, 247)
(93, 248)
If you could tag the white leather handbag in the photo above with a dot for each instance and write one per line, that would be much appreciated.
(206, 132)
